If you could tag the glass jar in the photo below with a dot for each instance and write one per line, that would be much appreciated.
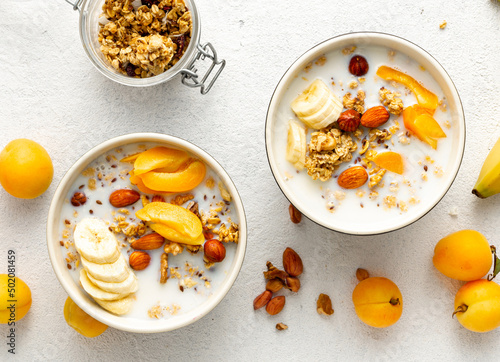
(90, 11)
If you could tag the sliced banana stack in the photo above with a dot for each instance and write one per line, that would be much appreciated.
(317, 106)
(296, 144)
(105, 276)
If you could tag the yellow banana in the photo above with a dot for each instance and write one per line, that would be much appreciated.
(488, 182)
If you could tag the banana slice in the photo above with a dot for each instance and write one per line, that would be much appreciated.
(112, 273)
(95, 242)
(96, 292)
(119, 307)
(127, 286)
(317, 106)
(312, 99)
(296, 144)
(328, 114)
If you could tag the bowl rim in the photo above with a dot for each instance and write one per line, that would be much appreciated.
(273, 103)
(166, 76)
(86, 303)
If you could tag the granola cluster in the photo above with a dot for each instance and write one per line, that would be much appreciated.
(391, 101)
(357, 103)
(146, 41)
(327, 150)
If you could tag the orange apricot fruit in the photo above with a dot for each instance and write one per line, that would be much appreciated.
(463, 255)
(378, 302)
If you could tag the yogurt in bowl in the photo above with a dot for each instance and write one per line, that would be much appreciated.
(388, 200)
(192, 286)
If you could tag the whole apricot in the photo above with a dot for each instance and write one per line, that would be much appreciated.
(378, 302)
(13, 289)
(464, 255)
(477, 305)
(25, 169)
(81, 321)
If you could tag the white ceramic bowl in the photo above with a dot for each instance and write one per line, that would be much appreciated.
(77, 293)
(276, 134)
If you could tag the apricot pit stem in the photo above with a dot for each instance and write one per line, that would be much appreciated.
(496, 264)
(394, 301)
(460, 309)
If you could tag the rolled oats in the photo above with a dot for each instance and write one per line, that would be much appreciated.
(144, 42)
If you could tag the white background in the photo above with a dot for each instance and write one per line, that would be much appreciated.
(50, 92)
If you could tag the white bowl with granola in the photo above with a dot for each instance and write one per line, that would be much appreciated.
(365, 133)
(146, 233)
(146, 42)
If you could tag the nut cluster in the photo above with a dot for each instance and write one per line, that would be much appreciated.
(78, 199)
(278, 279)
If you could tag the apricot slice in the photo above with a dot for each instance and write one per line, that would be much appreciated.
(160, 157)
(418, 121)
(181, 181)
(391, 161)
(173, 222)
(137, 181)
(172, 235)
(425, 98)
(130, 158)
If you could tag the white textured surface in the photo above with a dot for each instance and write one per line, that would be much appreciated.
(49, 92)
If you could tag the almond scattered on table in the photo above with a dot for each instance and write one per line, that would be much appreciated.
(295, 215)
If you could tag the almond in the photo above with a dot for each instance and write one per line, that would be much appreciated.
(148, 242)
(275, 305)
(292, 262)
(139, 260)
(295, 215)
(262, 300)
(353, 177)
(375, 117)
(123, 197)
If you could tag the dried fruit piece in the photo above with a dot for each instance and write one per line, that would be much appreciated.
(362, 274)
(139, 260)
(273, 272)
(292, 262)
(391, 161)
(281, 326)
(160, 157)
(78, 199)
(181, 180)
(295, 215)
(275, 305)
(215, 251)
(293, 284)
(164, 268)
(274, 285)
(173, 222)
(148, 242)
(353, 177)
(425, 98)
(123, 197)
(324, 305)
(262, 299)
(358, 66)
(375, 117)
(419, 121)
(349, 120)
